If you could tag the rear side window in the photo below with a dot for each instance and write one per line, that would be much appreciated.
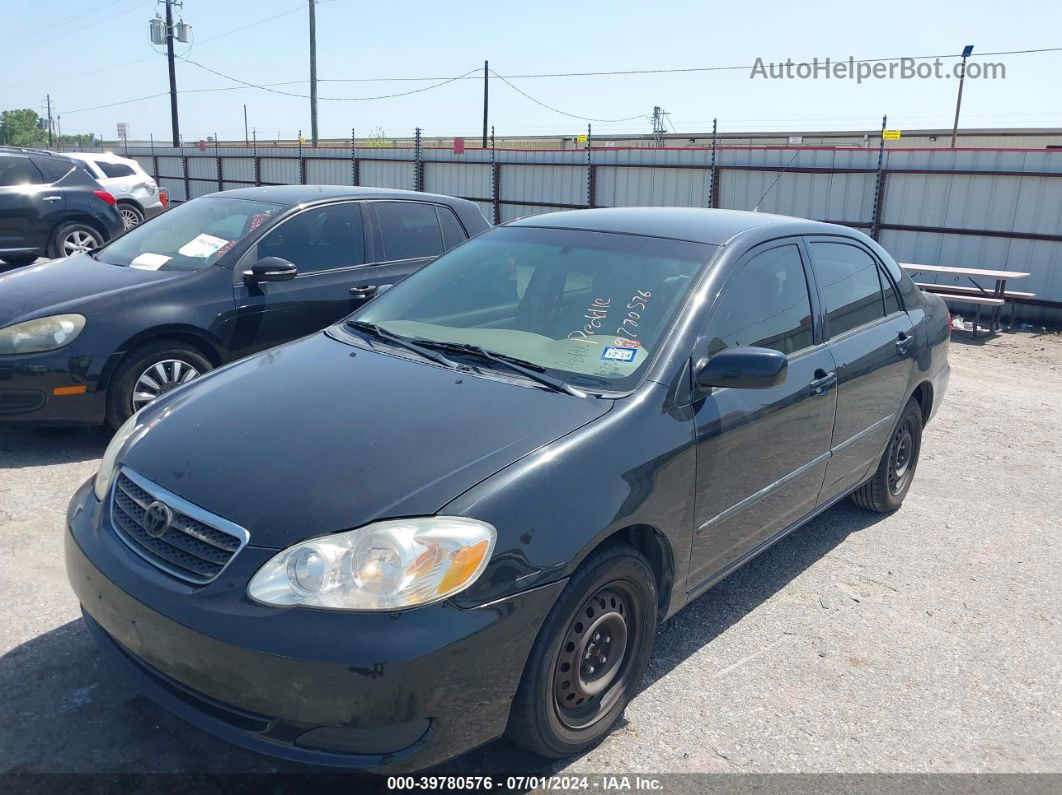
(53, 168)
(408, 230)
(18, 171)
(114, 169)
(452, 231)
(765, 305)
(851, 286)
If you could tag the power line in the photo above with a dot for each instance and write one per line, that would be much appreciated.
(562, 112)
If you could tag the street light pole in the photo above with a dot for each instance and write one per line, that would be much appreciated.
(966, 51)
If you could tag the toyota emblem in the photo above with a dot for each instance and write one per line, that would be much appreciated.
(157, 519)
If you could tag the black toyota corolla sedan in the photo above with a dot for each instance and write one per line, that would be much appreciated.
(96, 336)
(464, 510)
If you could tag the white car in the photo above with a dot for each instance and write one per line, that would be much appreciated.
(136, 193)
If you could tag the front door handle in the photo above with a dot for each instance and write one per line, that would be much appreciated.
(823, 381)
(903, 342)
(363, 292)
(52, 198)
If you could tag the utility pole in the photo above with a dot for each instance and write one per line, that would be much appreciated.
(966, 51)
(173, 74)
(486, 67)
(48, 98)
(246, 138)
(313, 74)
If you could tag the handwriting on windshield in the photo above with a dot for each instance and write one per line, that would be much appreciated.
(595, 318)
(636, 306)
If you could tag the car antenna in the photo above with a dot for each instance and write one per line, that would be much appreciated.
(756, 209)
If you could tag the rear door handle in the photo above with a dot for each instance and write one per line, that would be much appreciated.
(903, 343)
(823, 381)
(52, 198)
(364, 291)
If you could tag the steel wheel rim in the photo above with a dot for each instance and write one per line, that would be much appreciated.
(78, 242)
(591, 669)
(902, 454)
(160, 378)
(129, 217)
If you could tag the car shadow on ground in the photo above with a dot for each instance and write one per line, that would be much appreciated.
(31, 447)
(67, 713)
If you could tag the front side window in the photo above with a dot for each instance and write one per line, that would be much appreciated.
(590, 307)
(190, 236)
(408, 230)
(765, 305)
(318, 239)
(851, 287)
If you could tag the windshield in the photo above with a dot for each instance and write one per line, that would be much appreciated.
(590, 306)
(190, 236)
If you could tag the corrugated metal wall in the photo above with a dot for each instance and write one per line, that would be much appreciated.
(998, 209)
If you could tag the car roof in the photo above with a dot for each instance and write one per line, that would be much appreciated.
(107, 157)
(303, 194)
(695, 224)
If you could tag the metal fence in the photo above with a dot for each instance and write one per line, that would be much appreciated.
(992, 208)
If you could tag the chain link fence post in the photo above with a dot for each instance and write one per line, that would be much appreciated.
(494, 197)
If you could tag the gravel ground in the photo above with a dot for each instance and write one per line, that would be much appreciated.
(925, 641)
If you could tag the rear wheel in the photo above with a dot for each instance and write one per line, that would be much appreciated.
(149, 372)
(589, 657)
(73, 238)
(885, 491)
(131, 215)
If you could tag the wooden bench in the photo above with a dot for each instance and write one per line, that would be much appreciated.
(957, 293)
(977, 300)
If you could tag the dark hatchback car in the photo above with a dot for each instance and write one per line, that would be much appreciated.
(95, 337)
(50, 207)
(463, 511)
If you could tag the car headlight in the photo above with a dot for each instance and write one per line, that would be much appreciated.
(386, 565)
(42, 334)
(109, 462)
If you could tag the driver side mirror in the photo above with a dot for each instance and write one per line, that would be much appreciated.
(743, 368)
(271, 269)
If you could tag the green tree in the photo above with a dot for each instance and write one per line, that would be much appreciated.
(22, 128)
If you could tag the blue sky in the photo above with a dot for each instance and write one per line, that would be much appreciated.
(87, 53)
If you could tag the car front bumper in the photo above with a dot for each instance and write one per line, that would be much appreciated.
(28, 384)
(391, 692)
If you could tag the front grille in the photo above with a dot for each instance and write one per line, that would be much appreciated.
(20, 401)
(192, 546)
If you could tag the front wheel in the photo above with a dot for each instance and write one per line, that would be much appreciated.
(885, 491)
(149, 372)
(589, 657)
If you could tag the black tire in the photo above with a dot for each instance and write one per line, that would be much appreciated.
(131, 214)
(69, 238)
(18, 260)
(885, 491)
(137, 362)
(613, 592)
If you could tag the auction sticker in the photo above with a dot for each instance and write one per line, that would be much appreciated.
(614, 354)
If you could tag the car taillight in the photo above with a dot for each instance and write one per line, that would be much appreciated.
(102, 194)
(164, 197)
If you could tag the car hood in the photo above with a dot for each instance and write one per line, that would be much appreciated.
(319, 436)
(62, 285)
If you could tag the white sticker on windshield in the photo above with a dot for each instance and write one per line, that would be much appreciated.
(201, 246)
(149, 262)
(619, 354)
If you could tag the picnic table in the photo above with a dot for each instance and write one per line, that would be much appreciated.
(977, 295)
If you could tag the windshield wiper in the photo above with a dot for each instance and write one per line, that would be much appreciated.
(402, 342)
(527, 369)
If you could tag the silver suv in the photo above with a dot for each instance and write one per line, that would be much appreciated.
(136, 193)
